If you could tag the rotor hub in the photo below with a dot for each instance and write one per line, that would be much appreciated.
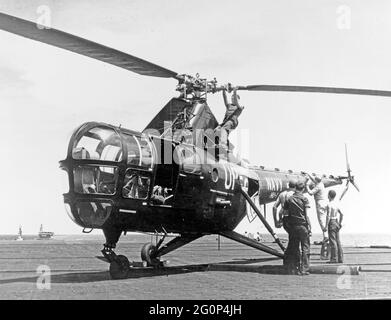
(196, 88)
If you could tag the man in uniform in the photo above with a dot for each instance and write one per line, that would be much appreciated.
(230, 121)
(299, 227)
(281, 220)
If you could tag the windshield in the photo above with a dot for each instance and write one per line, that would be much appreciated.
(99, 143)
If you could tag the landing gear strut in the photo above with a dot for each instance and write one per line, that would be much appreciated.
(150, 254)
(119, 264)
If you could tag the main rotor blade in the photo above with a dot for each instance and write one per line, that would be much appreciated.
(82, 46)
(315, 89)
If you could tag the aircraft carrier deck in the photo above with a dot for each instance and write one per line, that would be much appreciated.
(196, 271)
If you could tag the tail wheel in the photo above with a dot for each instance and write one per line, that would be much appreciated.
(119, 267)
(147, 255)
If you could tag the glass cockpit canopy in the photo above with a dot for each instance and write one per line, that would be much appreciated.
(98, 143)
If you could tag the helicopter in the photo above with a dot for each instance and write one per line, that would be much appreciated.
(174, 177)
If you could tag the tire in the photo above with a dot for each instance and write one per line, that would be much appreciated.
(119, 268)
(147, 252)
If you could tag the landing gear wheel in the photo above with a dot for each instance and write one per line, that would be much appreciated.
(119, 267)
(147, 253)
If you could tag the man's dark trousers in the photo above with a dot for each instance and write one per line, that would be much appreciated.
(298, 237)
(335, 243)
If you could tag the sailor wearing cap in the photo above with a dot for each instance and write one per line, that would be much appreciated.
(299, 228)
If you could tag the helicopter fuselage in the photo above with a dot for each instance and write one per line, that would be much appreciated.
(127, 180)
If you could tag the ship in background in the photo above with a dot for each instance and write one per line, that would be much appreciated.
(20, 237)
(44, 234)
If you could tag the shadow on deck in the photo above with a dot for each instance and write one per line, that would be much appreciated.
(241, 265)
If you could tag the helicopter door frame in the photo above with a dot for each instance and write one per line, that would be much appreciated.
(165, 175)
(161, 193)
(190, 174)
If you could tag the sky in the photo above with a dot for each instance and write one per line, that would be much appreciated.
(46, 92)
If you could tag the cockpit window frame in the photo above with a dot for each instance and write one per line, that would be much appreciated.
(116, 175)
(84, 132)
(141, 165)
(145, 173)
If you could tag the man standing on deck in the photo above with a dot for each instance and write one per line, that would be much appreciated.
(299, 227)
(282, 214)
(334, 224)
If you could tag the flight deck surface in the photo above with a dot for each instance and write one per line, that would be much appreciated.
(196, 271)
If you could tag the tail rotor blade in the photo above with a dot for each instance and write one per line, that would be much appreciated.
(347, 159)
(344, 191)
(355, 185)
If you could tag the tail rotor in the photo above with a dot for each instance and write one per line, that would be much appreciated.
(350, 177)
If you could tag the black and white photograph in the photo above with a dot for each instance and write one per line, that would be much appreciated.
(166, 150)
